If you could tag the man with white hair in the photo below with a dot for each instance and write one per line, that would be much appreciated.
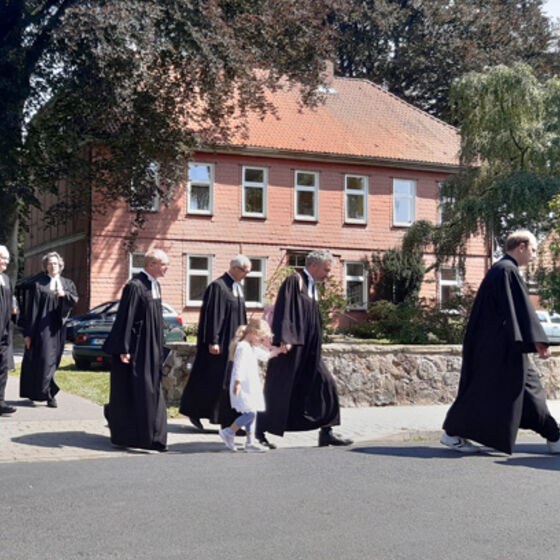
(499, 390)
(136, 412)
(222, 311)
(300, 392)
(5, 317)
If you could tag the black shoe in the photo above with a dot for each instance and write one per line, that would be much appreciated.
(6, 409)
(159, 447)
(51, 403)
(196, 423)
(261, 438)
(328, 437)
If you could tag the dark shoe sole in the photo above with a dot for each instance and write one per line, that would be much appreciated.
(196, 423)
(265, 443)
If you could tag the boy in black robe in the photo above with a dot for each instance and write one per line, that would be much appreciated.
(222, 311)
(49, 298)
(5, 326)
(136, 412)
(300, 392)
(499, 391)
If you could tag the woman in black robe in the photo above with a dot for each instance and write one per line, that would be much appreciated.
(499, 390)
(48, 300)
(136, 412)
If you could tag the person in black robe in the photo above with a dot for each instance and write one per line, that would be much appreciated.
(5, 329)
(300, 392)
(49, 298)
(499, 390)
(206, 394)
(136, 412)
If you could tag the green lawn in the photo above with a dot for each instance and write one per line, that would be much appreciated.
(92, 384)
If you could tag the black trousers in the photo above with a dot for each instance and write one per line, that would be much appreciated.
(535, 415)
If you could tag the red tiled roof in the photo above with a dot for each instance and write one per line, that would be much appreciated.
(358, 119)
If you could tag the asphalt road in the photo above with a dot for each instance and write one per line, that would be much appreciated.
(379, 501)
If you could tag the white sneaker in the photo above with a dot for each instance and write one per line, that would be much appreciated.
(228, 439)
(252, 448)
(459, 444)
(553, 446)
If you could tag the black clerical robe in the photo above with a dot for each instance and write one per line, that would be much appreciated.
(300, 392)
(44, 318)
(221, 314)
(496, 396)
(136, 412)
(5, 330)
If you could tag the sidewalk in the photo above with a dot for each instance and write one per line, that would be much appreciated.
(78, 430)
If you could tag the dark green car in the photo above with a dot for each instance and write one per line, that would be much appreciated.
(88, 342)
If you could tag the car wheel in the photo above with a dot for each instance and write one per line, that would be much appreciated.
(82, 364)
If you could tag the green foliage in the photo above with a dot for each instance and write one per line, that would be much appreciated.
(548, 281)
(332, 303)
(398, 273)
(397, 276)
(94, 92)
(509, 125)
(416, 322)
(417, 49)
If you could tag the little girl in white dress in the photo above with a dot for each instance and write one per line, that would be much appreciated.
(246, 389)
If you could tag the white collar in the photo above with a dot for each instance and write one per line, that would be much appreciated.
(236, 287)
(311, 289)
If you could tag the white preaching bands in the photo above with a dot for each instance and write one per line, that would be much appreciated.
(311, 288)
(56, 285)
(156, 294)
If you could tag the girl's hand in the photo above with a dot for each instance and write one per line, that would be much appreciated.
(236, 388)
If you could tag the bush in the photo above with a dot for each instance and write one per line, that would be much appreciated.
(416, 322)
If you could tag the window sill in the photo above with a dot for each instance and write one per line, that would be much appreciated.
(305, 219)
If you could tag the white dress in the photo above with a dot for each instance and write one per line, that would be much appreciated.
(246, 370)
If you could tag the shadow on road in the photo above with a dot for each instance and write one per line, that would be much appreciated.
(96, 442)
(188, 429)
(417, 452)
(82, 440)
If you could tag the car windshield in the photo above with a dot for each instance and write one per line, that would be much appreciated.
(543, 316)
(113, 307)
(101, 308)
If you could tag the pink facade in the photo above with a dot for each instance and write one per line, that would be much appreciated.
(226, 232)
(350, 175)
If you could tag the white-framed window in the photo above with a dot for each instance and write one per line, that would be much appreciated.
(254, 284)
(200, 191)
(355, 281)
(404, 202)
(306, 189)
(254, 193)
(355, 199)
(135, 263)
(444, 203)
(199, 275)
(296, 260)
(145, 198)
(449, 284)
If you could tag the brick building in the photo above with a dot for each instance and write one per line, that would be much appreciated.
(350, 175)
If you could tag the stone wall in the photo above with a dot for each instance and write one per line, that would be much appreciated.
(376, 375)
